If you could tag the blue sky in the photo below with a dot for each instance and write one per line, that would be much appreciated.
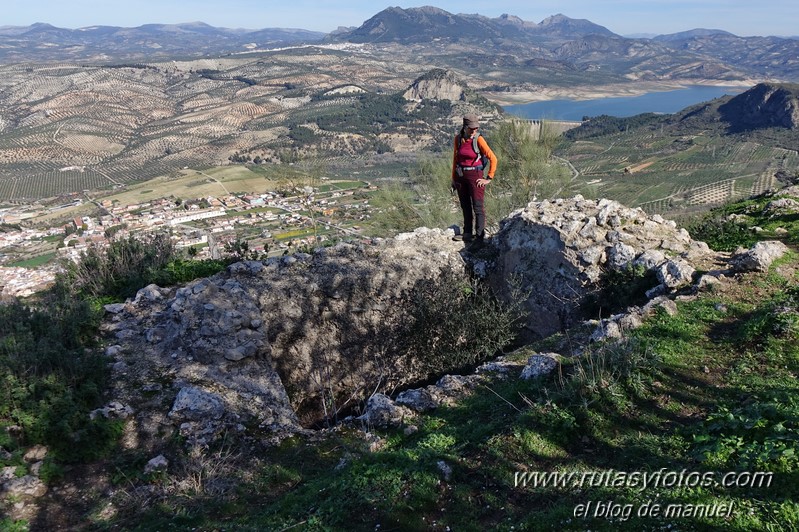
(742, 17)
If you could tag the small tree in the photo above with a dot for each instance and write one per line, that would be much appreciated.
(526, 171)
(239, 250)
(121, 269)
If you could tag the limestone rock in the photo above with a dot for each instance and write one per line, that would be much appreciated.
(35, 453)
(707, 282)
(437, 84)
(114, 308)
(27, 487)
(159, 463)
(194, 404)
(419, 400)
(149, 293)
(113, 410)
(500, 367)
(8, 473)
(781, 206)
(620, 255)
(649, 259)
(675, 273)
(759, 257)
(549, 246)
(113, 350)
(539, 365)
(381, 411)
(661, 302)
(606, 330)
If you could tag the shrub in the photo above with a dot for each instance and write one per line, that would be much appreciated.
(759, 436)
(722, 234)
(53, 376)
(425, 200)
(596, 373)
(119, 271)
(449, 325)
(525, 171)
(183, 271)
(777, 317)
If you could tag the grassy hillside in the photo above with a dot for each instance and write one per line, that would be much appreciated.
(690, 423)
(707, 396)
(686, 162)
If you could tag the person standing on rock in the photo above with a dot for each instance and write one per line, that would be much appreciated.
(471, 155)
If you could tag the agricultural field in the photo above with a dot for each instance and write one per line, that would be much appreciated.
(663, 172)
(69, 128)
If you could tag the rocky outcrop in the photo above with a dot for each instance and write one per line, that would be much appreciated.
(19, 492)
(271, 347)
(437, 84)
(765, 105)
(759, 257)
(539, 365)
(553, 253)
(277, 344)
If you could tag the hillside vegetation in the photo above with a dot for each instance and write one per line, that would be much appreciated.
(67, 128)
(705, 395)
(705, 155)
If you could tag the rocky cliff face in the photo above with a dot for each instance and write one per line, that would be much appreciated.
(765, 105)
(437, 85)
(274, 346)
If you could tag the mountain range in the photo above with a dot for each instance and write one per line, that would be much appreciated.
(558, 42)
(102, 107)
(44, 42)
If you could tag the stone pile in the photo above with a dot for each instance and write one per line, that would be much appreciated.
(555, 252)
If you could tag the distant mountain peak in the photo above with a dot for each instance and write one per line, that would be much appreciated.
(555, 19)
(562, 24)
(430, 10)
(690, 34)
(765, 105)
(511, 18)
(424, 24)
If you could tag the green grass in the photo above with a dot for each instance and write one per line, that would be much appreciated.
(691, 168)
(34, 262)
(745, 222)
(704, 393)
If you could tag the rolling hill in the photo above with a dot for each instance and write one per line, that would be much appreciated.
(708, 154)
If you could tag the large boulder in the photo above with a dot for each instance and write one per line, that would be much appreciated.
(554, 253)
(759, 257)
(282, 343)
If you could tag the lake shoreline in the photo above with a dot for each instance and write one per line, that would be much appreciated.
(616, 90)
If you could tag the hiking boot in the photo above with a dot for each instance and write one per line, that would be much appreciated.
(477, 242)
(468, 237)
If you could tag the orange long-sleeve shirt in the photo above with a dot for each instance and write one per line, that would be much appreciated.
(483, 145)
